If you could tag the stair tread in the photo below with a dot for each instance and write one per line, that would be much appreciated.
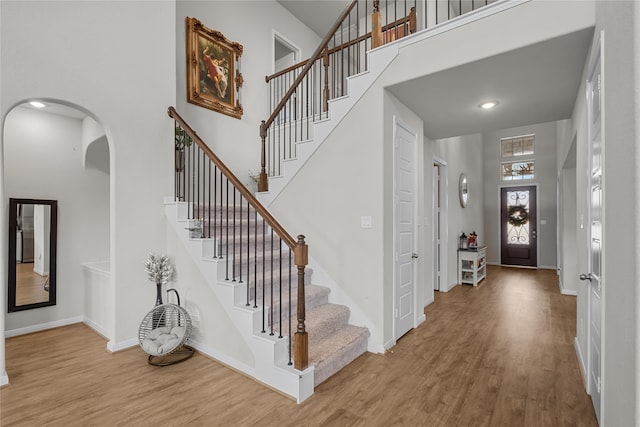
(323, 349)
(324, 319)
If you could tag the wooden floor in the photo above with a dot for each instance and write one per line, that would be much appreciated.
(498, 355)
(29, 285)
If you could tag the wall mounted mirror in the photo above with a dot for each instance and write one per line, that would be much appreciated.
(464, 190)
(32, 253)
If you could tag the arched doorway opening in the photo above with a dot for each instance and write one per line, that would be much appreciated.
(56, 150)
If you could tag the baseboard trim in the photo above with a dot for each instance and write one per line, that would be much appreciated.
(583, 367)
(97, 328)
(42, 327)
(389, 344)
(428, 301)
(4, 379)
(564, 291)
(224, 359)
(420, 320)
(122, 345)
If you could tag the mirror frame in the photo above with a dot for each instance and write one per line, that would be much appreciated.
(13, 214)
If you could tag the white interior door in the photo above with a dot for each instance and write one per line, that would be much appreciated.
(595, 277)
(405, 230)
(437, 228)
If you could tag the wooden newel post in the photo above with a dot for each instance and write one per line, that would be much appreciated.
(263, 183)
(301, 340)
(376, 30)
(412, 20)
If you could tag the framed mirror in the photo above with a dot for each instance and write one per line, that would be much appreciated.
(33, 229)
(463, 190)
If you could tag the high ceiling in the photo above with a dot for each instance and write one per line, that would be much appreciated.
(535, 84)
(318, 15)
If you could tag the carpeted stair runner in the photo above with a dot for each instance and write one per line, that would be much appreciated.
(333, 342)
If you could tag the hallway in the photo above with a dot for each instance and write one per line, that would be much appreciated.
(501, 354)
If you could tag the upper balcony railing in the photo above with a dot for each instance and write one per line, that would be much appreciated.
(299, 95)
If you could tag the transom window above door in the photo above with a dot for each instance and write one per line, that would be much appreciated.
(518, 146)
(517, 171)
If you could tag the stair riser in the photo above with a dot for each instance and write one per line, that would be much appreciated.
(338, 361)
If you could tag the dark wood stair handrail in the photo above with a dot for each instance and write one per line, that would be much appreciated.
(262, 185)
(299, 247)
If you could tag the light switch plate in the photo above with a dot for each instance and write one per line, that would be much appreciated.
(366, 222)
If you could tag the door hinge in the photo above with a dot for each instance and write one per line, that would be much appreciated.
(598, 385)
(396, 313)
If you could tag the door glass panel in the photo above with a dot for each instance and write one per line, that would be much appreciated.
(518, 217)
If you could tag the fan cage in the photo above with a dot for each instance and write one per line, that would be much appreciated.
(166, 315)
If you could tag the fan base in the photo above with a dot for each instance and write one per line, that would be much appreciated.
(177, 356)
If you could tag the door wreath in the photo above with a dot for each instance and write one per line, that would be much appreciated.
(517, 215)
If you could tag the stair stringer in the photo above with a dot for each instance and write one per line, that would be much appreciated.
(357, 85)
(270, 353)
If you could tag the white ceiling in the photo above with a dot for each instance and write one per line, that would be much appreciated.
(535, 84)
(58, 109)
(319, 15)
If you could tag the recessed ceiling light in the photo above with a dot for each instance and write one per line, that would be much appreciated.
(37, 104)
(488, 105)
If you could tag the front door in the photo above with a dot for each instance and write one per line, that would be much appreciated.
(594, 277)
(518, 226)
(405, 235)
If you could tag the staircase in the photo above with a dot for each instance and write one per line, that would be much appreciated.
(257, 272)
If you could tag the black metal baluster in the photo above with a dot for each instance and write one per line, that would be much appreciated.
(209, 199)
(196, 187)
(233, 264)
(215, 212)
(226, 214)
(240, 235)
(280, 287)
(255, 259)
(290, 333)
(271, 288)
(221, 248)
(264, 314)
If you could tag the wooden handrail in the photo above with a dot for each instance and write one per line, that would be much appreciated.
(265, 125)
(263, 183)
(298, 247)
(345, 45)
(251, 199)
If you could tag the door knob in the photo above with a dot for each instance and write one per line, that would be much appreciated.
(414, 256)
(587, 276)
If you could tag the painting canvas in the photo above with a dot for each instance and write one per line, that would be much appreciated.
(213, 76)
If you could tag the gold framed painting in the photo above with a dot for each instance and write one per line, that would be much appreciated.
(213, 70)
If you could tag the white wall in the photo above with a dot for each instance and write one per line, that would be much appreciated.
(212, 328)
(621, 149)
(43, 160)
(545, 179)
(250, 23)
(463, 154)
(620, 189)
(3, 237)
(568, 227)
(117, 61)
